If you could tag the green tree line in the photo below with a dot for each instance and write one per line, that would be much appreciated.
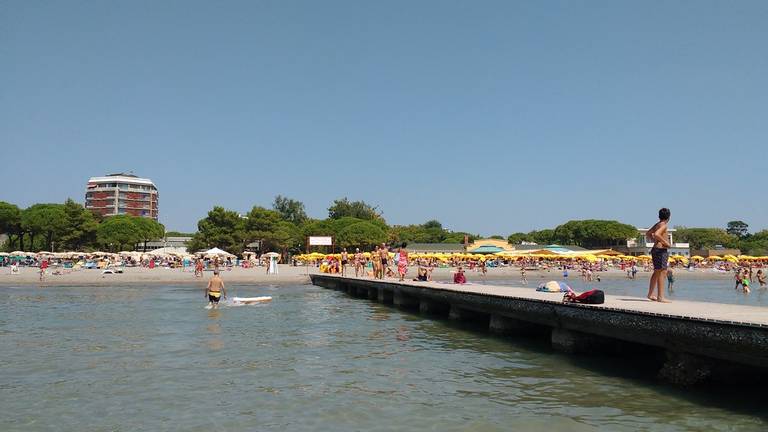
(605, 233)
(71, 227)
(285, 227)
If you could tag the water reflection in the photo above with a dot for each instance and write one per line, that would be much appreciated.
(313, 359)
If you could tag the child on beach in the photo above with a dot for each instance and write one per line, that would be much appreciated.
(670, 280)
(660, 255)
(761, 278)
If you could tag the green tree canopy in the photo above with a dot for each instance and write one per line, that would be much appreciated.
(47, 220)
(178, 234)
(357, 209)
(148, 230)
(543, 237)
(274, 233)
(518, 238)
(363, 234)
(704, 238)
(756, 244)
(119, 232)
(290, 210)
(594, 233)
(80, 229)
(221, 228)
(10, 224)
(458, 237)
(737, 228)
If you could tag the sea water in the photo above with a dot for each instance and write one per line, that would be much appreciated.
(152, 358)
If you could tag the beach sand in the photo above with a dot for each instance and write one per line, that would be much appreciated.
(287, 275)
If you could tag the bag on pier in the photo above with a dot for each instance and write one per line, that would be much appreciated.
(589, 297)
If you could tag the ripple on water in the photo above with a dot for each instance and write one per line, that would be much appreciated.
(153, 359)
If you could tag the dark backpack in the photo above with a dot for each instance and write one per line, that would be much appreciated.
(589, 297)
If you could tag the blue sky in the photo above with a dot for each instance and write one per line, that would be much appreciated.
(491, 116)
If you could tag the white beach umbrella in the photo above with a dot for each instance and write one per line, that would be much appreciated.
(217, 252)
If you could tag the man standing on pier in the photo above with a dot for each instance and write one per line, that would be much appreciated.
(659, 254)
(384, 254)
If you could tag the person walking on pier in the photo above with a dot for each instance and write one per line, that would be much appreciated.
(376, 262)
(402, 262)
(660, 255)
(359, 262)
(384, 256)
(344, 261)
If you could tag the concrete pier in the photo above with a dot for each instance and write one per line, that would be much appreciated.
(696, 335)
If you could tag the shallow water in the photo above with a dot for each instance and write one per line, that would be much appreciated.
(151, 358)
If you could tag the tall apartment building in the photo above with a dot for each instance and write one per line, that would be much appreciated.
(121, 193)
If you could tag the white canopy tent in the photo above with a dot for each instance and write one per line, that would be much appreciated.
(216, 252)
(177, 251)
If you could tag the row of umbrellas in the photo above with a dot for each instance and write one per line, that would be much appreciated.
(517, 255)
(162, 252)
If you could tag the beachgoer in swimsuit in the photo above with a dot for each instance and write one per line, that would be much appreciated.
(344, 261)
(43, 267)
(459, 277)
(670, 279)
(761, 278)
(215, 290)
(376, 261)
(384, 255)
(359, 261)
(659, 254)
(402, 262)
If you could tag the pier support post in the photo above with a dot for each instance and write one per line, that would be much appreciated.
(685, 369)
(429, 307)
(385, 296)
(570, 341)
(373, 293)
(500, 324)
(404, 300)
(460, 314)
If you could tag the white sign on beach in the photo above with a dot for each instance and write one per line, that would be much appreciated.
(320, 241)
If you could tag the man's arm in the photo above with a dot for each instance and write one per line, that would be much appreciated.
(223, 291)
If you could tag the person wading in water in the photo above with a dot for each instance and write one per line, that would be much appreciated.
(215, 290)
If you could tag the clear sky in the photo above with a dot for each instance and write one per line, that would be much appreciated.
(491, 116)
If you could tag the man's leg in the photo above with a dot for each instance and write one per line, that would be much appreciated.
(659, 286)
(652, 285)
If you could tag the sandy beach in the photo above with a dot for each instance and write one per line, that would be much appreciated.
(287, 275)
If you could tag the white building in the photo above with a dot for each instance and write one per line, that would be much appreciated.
(121, 193)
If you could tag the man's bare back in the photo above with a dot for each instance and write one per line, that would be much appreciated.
(215, 290)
